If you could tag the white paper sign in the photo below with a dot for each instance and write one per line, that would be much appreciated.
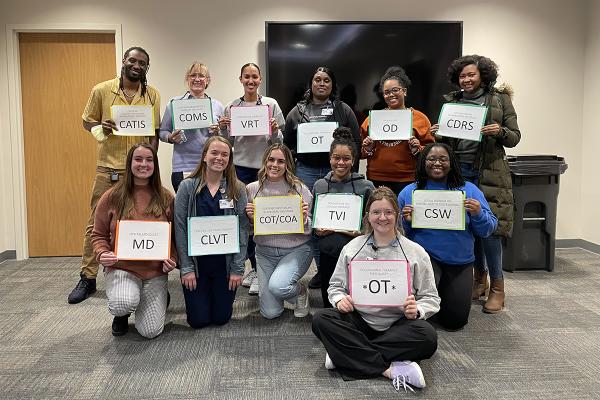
(278, 215)
(250, 121)
(338, 211)
(143, 240)
(315, 137)
(213, 235)
(462, 121)
(192, 113)
(438, 209)
(382, 283)
(390, 124)
(133, 120)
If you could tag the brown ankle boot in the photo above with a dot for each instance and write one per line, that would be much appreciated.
(480, 284)
(495, 300)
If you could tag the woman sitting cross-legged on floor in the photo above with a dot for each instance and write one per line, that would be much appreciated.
(369, 341)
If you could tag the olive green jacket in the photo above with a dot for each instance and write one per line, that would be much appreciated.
(494, 174)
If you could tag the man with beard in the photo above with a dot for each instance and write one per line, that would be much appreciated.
(128, 89)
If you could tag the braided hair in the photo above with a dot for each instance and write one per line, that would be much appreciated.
(143, 79)
(454, 178)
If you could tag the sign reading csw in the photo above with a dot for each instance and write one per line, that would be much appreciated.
(315, 137)
(390, 124)
(213, 235)
(278, 215)
(380, 283)
(250, 120)
(438, 209)
(338, 211)
(143, 240)
(462, 121)
(133, 120)
(192, 113)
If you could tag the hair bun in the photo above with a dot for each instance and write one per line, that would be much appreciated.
(342, 132)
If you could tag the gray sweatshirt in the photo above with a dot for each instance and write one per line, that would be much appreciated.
(421, 275)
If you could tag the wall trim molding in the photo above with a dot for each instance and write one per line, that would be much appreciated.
(8, 255)
(16, 116)
(584, 244)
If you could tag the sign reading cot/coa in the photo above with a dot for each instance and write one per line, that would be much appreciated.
(379, 283)
(143, 240)
(315, 137)
(213, 235)
(192, 113)
(438, 209)
(390, 124)
(338, 211)
(462, 121)
(133, 120)
(278, 215)
(250, 120)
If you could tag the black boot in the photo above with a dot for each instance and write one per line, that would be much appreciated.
(84, 288)
(120, 325)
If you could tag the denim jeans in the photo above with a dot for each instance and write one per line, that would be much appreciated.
(279, 271)
(488, 251)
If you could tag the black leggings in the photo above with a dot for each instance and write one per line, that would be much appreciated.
(454, 284)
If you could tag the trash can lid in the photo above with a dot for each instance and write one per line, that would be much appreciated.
(536, 164)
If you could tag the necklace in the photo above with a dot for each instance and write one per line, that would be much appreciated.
(128, 96)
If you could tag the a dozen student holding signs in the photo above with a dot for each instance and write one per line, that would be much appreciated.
(432, 257)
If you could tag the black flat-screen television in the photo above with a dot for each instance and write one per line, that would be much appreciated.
(359, 53)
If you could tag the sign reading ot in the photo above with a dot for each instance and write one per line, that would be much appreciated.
(438, 209)
(462, 121)
(250, 120)
(192, 113)
(213, 235)
(390, 124)
(315, 137)
(338, 211)
(133, 120)
(278, 215)
(383, 283)
(143, 240)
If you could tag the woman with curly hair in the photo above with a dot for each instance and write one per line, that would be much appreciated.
(484, 163)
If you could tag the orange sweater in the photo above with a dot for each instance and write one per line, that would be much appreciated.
(105, 222)
(396, 163)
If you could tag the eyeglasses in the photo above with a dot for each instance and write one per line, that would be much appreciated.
(442, 160)
(386, 213)
(395, 90)
(196, 76)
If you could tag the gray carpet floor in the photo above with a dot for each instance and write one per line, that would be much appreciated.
(545, 345)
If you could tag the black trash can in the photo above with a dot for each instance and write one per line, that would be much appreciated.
(535, 180)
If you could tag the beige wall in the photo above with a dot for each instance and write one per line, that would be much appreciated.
(534, 42)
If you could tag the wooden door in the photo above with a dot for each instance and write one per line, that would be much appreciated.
(58, 70)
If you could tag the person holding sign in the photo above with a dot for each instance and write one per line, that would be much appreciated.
(484, 164)
(130, 88)
(451, 251)
(340, 179)
(392, 163)
(135, 286)
(366, 341)
(210, 281)
(250, 149)
(282, 259)
(318, 106)
(188, 143)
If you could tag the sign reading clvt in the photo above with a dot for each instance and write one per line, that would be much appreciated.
(213, 235)
(250, 120)
(338, 211)
(192, 113)
(133, 120)
(383, 283)
(438, 209)
(143, 240)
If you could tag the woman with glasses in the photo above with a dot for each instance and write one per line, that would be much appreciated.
(451, 251)
(392, 163)
(367, 341)
(189, 143)
(282, 260)
(341, 179)
(484, 163)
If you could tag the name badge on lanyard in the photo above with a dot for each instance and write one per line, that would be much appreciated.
(225, 203)
(327, 111)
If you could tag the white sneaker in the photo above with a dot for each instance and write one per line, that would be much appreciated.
(301, 310)
(249, 278)
(288, 306)
(328, 362)
(254, 286)
(405, 373)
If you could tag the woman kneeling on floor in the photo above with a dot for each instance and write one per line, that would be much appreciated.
(134, 286)
(369, 341)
